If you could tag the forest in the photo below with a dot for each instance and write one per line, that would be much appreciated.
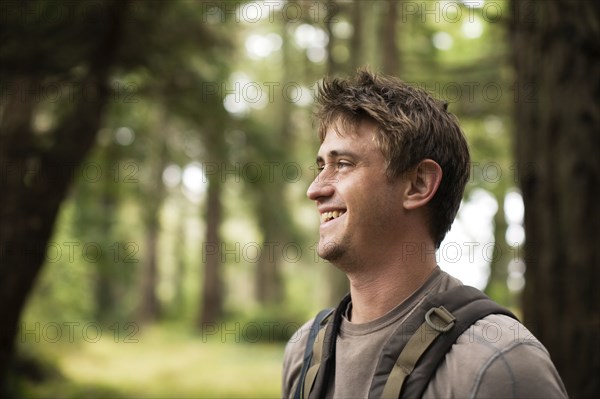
(155, 235)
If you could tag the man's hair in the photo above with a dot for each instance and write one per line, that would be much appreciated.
(412, 126)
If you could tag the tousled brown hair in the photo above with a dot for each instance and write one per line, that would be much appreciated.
(412, 126)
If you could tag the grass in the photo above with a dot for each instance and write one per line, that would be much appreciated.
(163, 363)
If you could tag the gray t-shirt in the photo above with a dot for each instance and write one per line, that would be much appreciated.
(497, 357)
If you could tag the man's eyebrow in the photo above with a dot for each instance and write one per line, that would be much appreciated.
(337, 154)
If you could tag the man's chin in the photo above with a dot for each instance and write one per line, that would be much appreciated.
(331, 251)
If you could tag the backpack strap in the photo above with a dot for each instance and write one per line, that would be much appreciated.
(311, 374)
(467, 305)
(440, 326)
(416, 346)
(314, 378)
(308, 351)
(327, 369)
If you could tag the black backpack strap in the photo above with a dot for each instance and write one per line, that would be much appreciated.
(404, 369)
(326, 371)
(308, 351)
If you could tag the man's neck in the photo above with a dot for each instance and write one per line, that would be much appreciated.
(376, 293)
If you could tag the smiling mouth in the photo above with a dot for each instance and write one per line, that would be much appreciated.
(327, 216)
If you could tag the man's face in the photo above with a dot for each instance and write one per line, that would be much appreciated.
(360, 208)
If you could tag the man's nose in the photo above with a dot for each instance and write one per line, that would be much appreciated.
(321, 186)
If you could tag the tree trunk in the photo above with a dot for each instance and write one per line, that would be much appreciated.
(332, 11)
(269, 285)
(179, 300)
(36, 178)
(390, 62)
(104, 287)
(27, 222)
(356, 42)
(149, 308)
(212, 292)
(557, 127)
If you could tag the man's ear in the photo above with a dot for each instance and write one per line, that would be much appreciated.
(423, 181)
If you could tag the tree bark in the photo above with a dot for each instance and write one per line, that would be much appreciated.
(36, 178)
(390, 62)
(27, 222)
(332, 11)
(179, 301)
(269, 284)
(557, 125)
(212, 291)
(149, 308)
(104, 283)
(356, 42)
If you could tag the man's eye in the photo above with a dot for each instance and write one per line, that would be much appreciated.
(337, 165)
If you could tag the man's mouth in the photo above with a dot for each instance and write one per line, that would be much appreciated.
(327, 216)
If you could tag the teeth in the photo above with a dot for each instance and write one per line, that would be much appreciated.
(326, 216)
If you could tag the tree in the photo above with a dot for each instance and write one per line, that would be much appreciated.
(357, 40)
(41, 166)
(211, 308)
(390, 62)
(56, 61)
(555, 54)
(149, 308)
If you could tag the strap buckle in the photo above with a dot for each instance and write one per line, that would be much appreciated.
(444, 315)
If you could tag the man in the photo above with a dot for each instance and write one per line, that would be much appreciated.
(393, 166)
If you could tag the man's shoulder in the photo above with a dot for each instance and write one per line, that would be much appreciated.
(293, 358)
(494, 335)
(497, 357)
(498, 331)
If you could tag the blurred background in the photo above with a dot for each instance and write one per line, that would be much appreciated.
(155, 238)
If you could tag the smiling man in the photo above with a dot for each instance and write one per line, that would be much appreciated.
(393, 164)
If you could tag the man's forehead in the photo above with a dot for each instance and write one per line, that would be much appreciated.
(345, 126)
(357, 141)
